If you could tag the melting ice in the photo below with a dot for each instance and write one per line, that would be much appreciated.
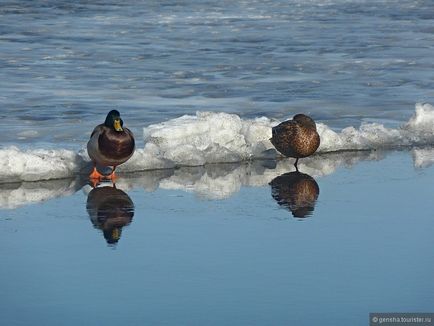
(207, 137)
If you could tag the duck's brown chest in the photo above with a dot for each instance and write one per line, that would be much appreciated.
(305, 143)
(293, 140)
(116, 145)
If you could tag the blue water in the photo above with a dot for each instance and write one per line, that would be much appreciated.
(243, 260)
(64, 64)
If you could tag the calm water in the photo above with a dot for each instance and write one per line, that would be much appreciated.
(184, 259)
(231, 244)
(63, 65)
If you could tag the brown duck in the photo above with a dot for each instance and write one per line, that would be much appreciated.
(110, 209)
(110, 144)
(298, 192)
(296, 138)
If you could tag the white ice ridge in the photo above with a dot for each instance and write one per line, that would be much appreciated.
(221, 137)
(39, 164)
(418, 131)
(211, 137)
(214, 138)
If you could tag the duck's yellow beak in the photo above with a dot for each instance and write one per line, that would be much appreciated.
(116, 234)
(117, 125)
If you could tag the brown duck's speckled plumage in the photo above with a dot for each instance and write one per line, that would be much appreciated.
(298, 192)
(297, 137)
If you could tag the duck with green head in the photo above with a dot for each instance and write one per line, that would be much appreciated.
(110, 145)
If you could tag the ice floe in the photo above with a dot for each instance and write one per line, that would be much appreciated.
(207, 137)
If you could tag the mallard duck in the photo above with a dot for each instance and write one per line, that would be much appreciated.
(296, 138)
(110, 144)
(295, 191)
(110, 209)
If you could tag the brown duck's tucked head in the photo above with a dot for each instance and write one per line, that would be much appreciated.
(114, 121)
(305, 121)
(297, 192)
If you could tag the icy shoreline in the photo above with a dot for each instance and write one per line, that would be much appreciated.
(213, 138)
(210, 182)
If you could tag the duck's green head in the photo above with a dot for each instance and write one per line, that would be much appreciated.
(113, 120)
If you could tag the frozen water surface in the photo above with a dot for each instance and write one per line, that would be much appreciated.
(64, 65)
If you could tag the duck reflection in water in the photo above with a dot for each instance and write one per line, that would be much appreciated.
(297, 192)
(110, 209)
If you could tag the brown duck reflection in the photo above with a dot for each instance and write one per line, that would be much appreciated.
(297, 192)
(110, 209)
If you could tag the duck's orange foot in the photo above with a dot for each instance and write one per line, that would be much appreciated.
(112, 177)
(94, 182)
(95, 177)
(95, 174)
